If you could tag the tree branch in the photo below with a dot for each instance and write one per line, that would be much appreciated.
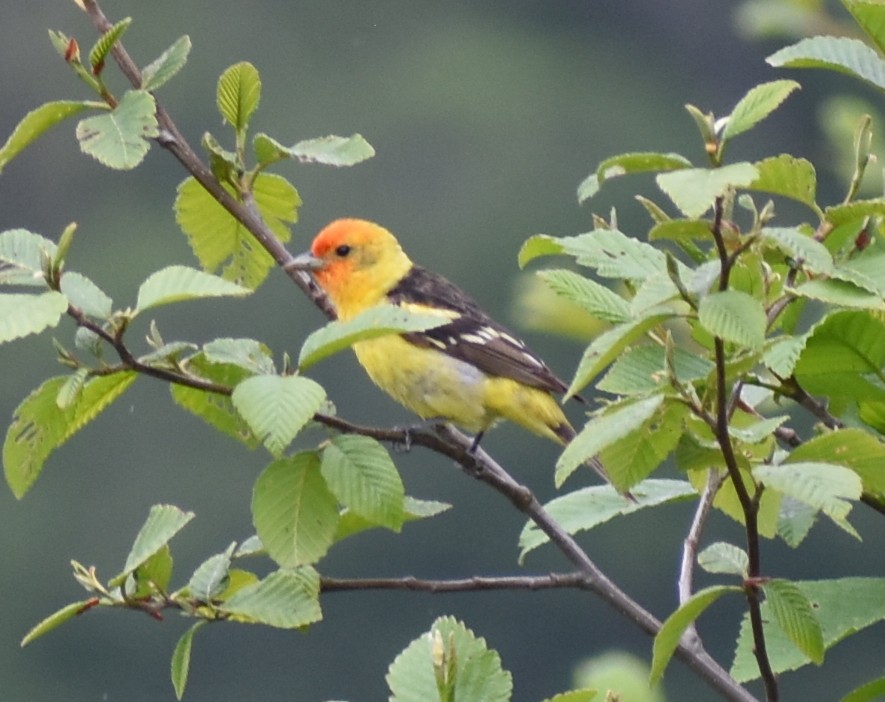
(473, 584)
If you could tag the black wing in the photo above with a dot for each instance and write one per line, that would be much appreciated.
(472, 336)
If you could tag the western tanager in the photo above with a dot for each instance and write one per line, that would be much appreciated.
(471, 370)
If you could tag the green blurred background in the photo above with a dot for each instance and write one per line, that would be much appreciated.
(485, 117)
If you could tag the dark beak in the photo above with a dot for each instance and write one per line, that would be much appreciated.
(304, 262)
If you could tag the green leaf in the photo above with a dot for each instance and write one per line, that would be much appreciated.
(277, 407)
(596, 299)
(220, 241)
(21, 315)
(238, 94)
(854, 211)
(841, 294)
(163, 522)
(329, 150)
(609, 346)
(55, 620)
(824, 486)
(756, 105)
(39, 425)
(723, 558)
(613, 254)
(787, 176)
(22, 257)
(734, 316)
(211, 576)
(841, 54)
(694, 190)
(351, 523)
(178, 283)
(583, 695)
(758, 431)
(844, 357)
(868, 14)
(684, 232)
(589, 507)
(166, 65)
(119, 138)
(370, 324)
(215, 409)
(359, 472)
(86, 295)
(293, 510)
(248, 354)
(667, 639)
(34, 124)
(154, 574)
(448, 663)
(69, 393)
(870, 692)
(794, 520)
(623, 164)
(794, 614)
(181, 660)
(537, 246)
(286, 599)
(617, 422)
(799, 244)
(854, 448)
(782, 355)
(643, 369)
(105, 43)
(842, 607)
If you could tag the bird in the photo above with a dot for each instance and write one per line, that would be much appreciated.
(471, 370)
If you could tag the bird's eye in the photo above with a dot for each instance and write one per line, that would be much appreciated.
(342, 250)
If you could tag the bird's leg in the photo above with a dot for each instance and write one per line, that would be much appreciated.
(407, 430)
(475, 443)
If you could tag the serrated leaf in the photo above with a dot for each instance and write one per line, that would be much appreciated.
(795, 616)
(794, 521)
(215, 409)
(210, 577)
(613, 254)
(238, 94)
(537, 246)
(86, 295)
(756, 105)
(351, 523)
(582, 695)
(643, 368)
(781, 357)
(54, 620)
(854, 211)
(868, 692)
(787, 176)
(868, 14)
(854, 448)
(220, 241)
(841, 54)
(181, 659)
(293, 510)
(685, 233)
(844, 356)
(39, 425)
(178, 283)
(589, 507)
(22, 257)
(163, 522)
(37, 122)
(798, 243)
(734, 316)
(370, 324)
(69, 393)
(667, 639)
(623, 164)
(596, 299)
(119, 138)
(472, 671)
(154, 574)
(694, 190)
(840, 293)
(105, 43)
(21, 315)
(286, 599)
(359, 472)
(608, 346)
(276, 407)
(603, 430)
(758, 431)
(166, 65)
(824, 486)
(248, 354)
(330, 150)
(724, 558)
(842, 607)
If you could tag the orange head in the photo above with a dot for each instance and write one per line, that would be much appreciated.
(356, 263)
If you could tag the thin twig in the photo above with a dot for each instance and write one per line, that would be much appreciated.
(473, 584)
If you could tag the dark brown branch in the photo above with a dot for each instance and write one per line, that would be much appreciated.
(473, 584)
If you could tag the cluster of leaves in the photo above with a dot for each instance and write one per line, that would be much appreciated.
(723, 328)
